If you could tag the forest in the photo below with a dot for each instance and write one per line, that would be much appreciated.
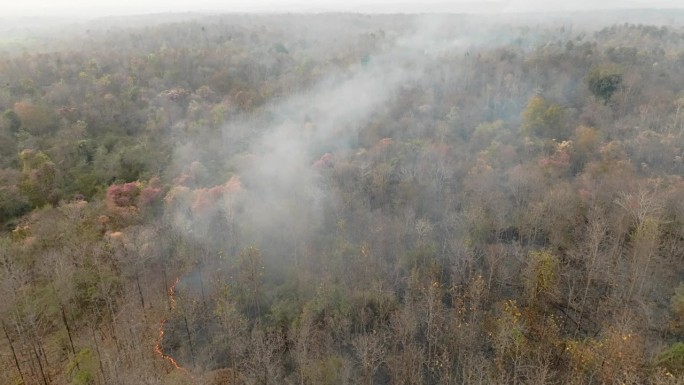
(333, 199)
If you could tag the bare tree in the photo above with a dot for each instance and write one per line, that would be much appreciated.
(370, 352)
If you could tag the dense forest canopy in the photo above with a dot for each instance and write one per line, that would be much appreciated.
(343, 199)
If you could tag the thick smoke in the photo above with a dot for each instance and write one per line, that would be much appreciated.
(283, 192)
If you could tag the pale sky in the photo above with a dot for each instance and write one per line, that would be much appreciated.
(124, 7)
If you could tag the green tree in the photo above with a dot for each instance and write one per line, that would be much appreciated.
(604, 81)
(39, 178)
(541, 275)
(544, 119)
(11, 120)
(250, 276)
(677, 307)
(672, 359)
(12, 202)
(82, 369)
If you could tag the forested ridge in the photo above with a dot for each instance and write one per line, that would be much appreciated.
(343, 199)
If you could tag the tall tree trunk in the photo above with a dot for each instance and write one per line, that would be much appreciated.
(166, 289)
(140, 293)
(187, 331)
(47, 364)
(99, 357)
(14, 354)
(68, 329)
(40, 365)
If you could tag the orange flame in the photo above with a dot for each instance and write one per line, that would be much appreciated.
(157, 347)
(172, 292)
(160, 352)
